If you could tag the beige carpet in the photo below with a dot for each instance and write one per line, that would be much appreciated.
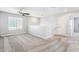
(29, 43)
(73, 44)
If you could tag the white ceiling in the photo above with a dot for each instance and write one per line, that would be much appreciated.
(40, 11)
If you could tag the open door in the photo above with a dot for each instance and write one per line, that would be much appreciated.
(75, 26)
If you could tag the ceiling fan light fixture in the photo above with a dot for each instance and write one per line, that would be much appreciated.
(23, 13)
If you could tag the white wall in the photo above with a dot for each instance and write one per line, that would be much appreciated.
(4, 24)
(50, 23)
(64, 24)
(46, 28)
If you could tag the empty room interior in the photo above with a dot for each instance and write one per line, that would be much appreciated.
(39, 29)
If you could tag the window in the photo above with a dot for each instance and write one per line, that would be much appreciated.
(19, 23)
(14, 23)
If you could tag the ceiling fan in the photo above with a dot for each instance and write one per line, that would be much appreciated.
(23, 13)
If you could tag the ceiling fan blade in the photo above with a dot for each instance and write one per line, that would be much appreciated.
(27, 13)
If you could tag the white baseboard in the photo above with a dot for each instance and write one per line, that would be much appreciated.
(40, 36)
(11, 34)
(43, 37)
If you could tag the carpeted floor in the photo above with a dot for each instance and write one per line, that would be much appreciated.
(29, 43)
